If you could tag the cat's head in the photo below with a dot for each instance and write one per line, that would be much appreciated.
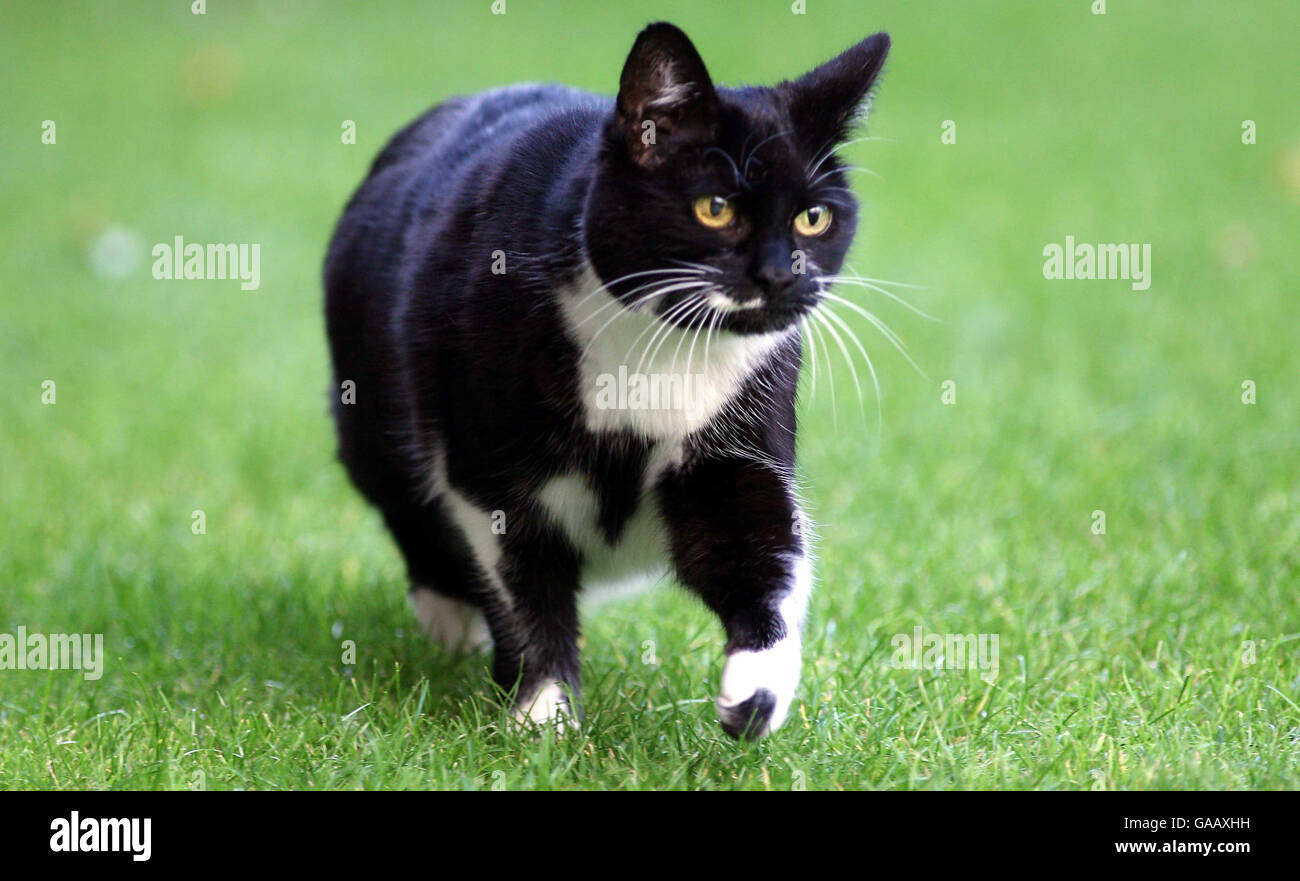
(725, 205)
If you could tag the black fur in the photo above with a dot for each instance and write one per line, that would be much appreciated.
(454, 363)
(750, 718)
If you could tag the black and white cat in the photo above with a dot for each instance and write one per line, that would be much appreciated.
(569, 327)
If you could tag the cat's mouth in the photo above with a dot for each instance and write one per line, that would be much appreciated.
(725, 303)
(691, 295)
(743, 313)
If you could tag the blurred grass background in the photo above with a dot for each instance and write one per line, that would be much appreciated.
(1162, 654)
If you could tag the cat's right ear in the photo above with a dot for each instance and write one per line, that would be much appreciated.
(665, 95)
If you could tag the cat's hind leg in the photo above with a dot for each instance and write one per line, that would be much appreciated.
(446, 583)
(522, 574)
(455, 625)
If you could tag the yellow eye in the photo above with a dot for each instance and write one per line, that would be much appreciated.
(715, 212)
(813, 221)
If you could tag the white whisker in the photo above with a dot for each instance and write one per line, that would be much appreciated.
(622, 301)
(605, 286)
(830, 373)
(859, 281)
(708, 338)
(847, 169)
(663, 325)
(853, 371)
(754, 152)
(666, 288)
(668, 322)
(658, 324)
(708, 319)
(689, 317)
(812, 355)
(884, 329)
(701, 267)
(875, 381)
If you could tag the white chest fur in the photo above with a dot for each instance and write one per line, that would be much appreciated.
(639, 556)
(638, 372)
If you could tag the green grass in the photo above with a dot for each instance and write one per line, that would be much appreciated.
(1162, 654)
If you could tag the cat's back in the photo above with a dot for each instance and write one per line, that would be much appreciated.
(464, 130)
(500, 146)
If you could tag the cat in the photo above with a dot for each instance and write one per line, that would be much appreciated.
(512, 257)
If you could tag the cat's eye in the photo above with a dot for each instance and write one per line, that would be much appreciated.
(813, 221)
(715, 212)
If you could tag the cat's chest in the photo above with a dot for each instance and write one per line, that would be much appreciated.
(611, 517)
(638, 373)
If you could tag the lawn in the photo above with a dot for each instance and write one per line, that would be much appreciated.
(1162, 653)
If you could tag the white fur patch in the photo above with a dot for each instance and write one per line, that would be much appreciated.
(610, 336)
(723, 303)
(550, 705)
(474, 523)
(777, 667)
(455, 625)
(637, 560)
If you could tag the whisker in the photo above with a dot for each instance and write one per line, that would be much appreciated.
(654, 325)
(650, 325)
(710, 317)
(875, 381)
(619, 313)
(605, 286)
(812, 355)
(702, 267)
(708, 338)
(754, 152)
(853, 371)
(617, 301)
(690, 353)
(688, 317)
(830, 373)
(899, 284)
(665, 330)
(723, 153)
(865, 283)
(885, 329)
(667, 288)
(670, 323)
(847, 169)
(667, 284)
(835, 148)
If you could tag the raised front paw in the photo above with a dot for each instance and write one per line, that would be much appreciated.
(757, 687)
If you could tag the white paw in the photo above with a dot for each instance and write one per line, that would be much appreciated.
(455, 625)
(548, 706)
(757, 688)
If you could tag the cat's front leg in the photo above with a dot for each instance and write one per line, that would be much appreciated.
(738, 541)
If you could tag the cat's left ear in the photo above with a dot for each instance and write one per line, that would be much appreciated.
(665, 95)
(829, 99)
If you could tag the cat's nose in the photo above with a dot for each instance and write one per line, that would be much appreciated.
(774, 279)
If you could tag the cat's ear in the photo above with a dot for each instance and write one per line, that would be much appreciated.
(828, 100)
(665, 95)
